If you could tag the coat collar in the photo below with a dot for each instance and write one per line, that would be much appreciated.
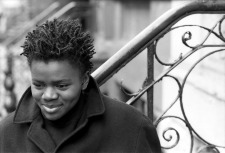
(27, 110)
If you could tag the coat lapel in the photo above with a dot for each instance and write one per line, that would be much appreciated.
(40, 136)
(28, 112)
(95, 105)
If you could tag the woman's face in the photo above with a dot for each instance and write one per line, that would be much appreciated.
(56, 87)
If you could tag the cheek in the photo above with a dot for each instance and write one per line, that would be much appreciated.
(71, 95)
(36, 94)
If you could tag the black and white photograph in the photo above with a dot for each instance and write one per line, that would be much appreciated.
(112, 76)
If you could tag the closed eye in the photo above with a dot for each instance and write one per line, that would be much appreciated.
(38, 85)
(62, 86)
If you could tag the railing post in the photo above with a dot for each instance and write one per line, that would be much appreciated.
(150, 78)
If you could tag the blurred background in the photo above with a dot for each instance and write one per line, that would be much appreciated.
(113, 23)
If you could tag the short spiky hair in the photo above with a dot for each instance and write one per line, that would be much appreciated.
(60, 40)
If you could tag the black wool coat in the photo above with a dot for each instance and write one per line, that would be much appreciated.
(109, 126)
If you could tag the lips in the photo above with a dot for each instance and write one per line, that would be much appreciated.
(51, 109)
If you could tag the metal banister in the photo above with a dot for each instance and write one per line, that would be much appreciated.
(153, 32)
(63, 10)
(32, 23)
(57, 14)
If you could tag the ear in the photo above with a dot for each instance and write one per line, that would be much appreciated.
(85, 80)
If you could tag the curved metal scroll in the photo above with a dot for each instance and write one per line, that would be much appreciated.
(185, 38)
(151, 35)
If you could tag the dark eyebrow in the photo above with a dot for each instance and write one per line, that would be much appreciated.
(54, 82)
(62, 81)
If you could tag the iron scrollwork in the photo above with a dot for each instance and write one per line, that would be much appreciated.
(187, 36)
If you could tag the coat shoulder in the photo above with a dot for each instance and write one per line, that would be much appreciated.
(6, 122)
(130, 123)
(6, 128)
(122, 110)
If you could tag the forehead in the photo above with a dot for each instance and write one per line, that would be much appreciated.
(54, 70)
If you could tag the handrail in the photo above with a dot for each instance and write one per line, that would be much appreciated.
(32, 23)
(57, 14)
(153, 32)
(63, 10)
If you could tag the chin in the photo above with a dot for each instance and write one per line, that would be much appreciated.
(51, 117)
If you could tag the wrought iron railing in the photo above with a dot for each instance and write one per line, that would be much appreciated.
(148, 39)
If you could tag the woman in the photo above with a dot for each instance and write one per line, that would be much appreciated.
(63, 110)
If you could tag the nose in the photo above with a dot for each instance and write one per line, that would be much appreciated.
(49, 94)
